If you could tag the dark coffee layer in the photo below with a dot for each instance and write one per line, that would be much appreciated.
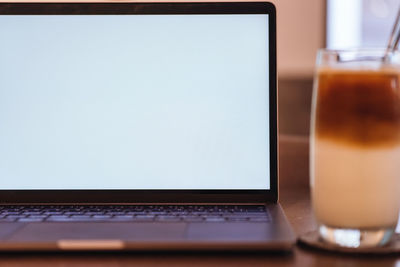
(359, 107)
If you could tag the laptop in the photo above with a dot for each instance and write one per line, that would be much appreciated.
(139, 126)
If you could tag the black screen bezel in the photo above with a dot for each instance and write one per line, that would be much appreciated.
(158, 196)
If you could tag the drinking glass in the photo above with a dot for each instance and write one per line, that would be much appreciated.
(355, 146)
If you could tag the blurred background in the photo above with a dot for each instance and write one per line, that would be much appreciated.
(304, 26)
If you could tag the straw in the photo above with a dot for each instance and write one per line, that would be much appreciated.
(394, 38)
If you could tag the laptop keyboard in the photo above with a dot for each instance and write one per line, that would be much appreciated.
(134, 213)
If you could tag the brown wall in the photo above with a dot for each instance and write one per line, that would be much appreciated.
(300, 33)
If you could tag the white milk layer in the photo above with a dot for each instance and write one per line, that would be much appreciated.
(355, 187)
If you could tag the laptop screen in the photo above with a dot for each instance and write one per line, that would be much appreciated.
(134, 102)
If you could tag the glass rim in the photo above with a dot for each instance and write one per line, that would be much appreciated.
(356, 50)
(365, 56)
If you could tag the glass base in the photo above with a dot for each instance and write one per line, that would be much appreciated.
(355, 238)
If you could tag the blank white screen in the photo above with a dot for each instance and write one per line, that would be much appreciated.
(134, 102)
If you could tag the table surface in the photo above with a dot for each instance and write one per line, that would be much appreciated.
(294, 197)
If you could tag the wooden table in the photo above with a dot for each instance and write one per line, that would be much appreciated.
(294, 197)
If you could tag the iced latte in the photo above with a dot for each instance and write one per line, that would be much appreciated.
(355, 152)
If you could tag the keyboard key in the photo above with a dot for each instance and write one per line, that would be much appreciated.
(16, 216)
(32, 212)
(8, 219)
(10, 213)
(138, 213)
(162, 213)
(214, 219)
(53, 212)
(122, 218)
(168, 218)
(93, 213)
(57, 218)
(37, 216)
(80, 217)
(154, 213)
(103, 217)
(193, 218)
(144, 217)
(237, 219)
(31, 219)
(259, 219)
(73, 213)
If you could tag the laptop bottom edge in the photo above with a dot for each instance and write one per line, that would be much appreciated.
(275, 234)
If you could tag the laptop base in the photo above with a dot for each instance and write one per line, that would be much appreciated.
(275, 234)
